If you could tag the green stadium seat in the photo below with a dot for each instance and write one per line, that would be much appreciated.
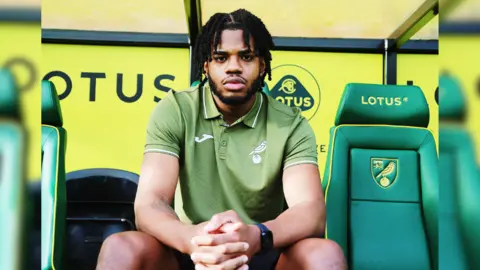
(13, 186)
(53, 179)
(381, 179)
(460, 183)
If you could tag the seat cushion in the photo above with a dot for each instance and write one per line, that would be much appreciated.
(381, 192)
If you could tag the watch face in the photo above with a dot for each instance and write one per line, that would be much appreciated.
(267, 240)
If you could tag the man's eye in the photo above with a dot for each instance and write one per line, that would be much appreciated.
(219, 58)
(247, 57)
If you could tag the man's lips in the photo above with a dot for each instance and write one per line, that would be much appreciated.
(234, 83)
(234, 80)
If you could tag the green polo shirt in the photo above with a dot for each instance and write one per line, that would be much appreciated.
(226, 167)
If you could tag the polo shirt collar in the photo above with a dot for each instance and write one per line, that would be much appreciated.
(210, 110)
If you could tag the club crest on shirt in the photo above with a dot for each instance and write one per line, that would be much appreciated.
(256, 158)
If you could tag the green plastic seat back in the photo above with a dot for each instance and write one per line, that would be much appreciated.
(381, 179)
(13, 199)
(53, 179)
(460, 183)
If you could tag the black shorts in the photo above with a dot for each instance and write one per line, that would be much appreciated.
(266, 261)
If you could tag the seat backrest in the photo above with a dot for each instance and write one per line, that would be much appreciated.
(53, 179)
(13, 199)
(100, 203)
(460, 182)
(380, 181)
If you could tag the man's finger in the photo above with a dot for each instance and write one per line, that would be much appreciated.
(201, 267)
(215, 239)
(220, 219)
(235, 263)
(210, 258)
(216, 267)
(243, 267)
(227, 248)
(231, 227)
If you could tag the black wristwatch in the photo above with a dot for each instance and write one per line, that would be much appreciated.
(266, 238)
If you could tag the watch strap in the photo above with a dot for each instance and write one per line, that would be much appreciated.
(265, 238)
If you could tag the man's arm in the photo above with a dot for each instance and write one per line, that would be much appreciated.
(305, 216)
(156, 190)
(159, 176)
(302, 187)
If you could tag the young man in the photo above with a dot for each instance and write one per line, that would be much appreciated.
(239, 155)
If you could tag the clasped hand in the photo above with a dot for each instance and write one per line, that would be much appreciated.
(226, 243)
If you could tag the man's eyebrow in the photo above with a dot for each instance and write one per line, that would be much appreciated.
(246, 51)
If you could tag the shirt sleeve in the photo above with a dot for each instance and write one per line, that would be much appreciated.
(165, 127)
(301, 147)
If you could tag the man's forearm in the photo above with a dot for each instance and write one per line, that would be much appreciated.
(298, 222)
(160, 220)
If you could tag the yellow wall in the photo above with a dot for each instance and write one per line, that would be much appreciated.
(107, 132)
(423, 71)
(22, 48)
(331, 71)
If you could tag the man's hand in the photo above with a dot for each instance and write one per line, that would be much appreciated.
(228, 243)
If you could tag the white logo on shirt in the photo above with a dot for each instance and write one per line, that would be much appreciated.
(204, 138)
(257, 150)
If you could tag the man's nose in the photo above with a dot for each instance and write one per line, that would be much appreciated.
(233, 65)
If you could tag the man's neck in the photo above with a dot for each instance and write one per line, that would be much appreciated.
(232, 113)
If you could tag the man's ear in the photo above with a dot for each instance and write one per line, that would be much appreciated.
(205, 68)
(262, 66)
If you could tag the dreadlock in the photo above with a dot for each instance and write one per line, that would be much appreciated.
(241, 19)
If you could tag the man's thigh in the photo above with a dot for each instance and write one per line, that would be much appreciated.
(266, 261)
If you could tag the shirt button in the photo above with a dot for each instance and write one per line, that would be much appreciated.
(224, 143)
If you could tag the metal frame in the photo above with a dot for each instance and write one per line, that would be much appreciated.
(460, 28)
(193, 13)
(399, 41)
(82, 37)
(418, 19)
(23, 15)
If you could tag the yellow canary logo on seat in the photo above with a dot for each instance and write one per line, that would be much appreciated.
(384, 171)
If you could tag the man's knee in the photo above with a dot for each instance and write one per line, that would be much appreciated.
(317, 254)
(327, 251)
(130, 248)
(122, 242)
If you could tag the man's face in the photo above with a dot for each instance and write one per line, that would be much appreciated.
(235, 72)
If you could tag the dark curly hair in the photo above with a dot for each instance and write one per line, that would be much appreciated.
(240, 19)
